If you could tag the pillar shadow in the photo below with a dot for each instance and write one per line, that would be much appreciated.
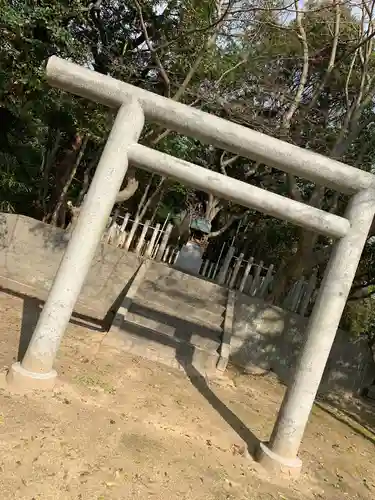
(32, 307)
(199, 381)
(112, 311)
(184, 352)
(30, 315)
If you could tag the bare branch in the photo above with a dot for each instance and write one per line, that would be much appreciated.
(293, 189)
(305, 70)
(348, 78)
(130, 188)
(288, 115)
(232, 219)
(219, 21)
(210, 41)
(86, 179)
(64, 192)
(226, 163)
(152, 197)
(362, 293)
(156, 57)
(229, 70)
(49, 158)
(212, 207)
(332, 59)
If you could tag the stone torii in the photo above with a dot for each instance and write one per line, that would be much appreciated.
(350, 232)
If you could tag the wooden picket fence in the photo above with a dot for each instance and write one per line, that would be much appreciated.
(235, 272)
(141, 237)
(255, 279)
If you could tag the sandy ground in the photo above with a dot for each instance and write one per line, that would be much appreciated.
(120, 427)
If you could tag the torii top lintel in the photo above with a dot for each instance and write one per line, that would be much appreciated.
(209, 128)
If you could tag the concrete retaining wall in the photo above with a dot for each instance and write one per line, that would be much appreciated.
(31, 251)
(267, 338)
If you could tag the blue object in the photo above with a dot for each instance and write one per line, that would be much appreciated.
(201, 224)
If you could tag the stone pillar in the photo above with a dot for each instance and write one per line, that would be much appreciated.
(189, 259)
(36, 369)
(296, 295)
(166, 254)
(211, 271)
(280, 454)
(309, 290)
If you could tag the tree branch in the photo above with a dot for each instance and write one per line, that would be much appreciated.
(288, 115)
(232, 219)
(68, 182)
(225, 73)
(193, 69)
(130, 188)
(212, 207)
(226, 163)
(332, 59)
(154, 53)
(86, 179)
(48, 162)
(151, 198)
(305, 70)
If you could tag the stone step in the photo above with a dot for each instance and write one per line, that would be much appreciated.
(190, 294)
(203, 336)
(182, 286)
(166, 344)
(202, 313)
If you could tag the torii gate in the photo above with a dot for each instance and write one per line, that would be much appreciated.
(134, 105)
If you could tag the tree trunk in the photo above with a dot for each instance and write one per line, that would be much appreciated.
(63, 169)
(145, 205)
(86, 179)
(294, 268)
(48, 160)
(61, 204)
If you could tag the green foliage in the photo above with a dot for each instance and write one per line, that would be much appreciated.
(359, 318)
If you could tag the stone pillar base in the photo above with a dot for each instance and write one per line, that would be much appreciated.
(274, 464)
(19, 379)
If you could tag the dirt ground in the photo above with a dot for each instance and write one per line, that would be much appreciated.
(120, 427)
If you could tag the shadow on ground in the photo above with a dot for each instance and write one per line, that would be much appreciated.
(32, 308)
(184, 349)
(200, 383)
(359, 417)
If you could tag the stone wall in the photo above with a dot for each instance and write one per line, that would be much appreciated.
(31, 251)
(267, 338)
(264, 337)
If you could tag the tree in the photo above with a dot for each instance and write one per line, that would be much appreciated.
(313, 87)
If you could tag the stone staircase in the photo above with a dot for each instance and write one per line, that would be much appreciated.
(172, 318)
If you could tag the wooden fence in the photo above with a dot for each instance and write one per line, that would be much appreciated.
(235, 272)
(255, 279)
(141, 237)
